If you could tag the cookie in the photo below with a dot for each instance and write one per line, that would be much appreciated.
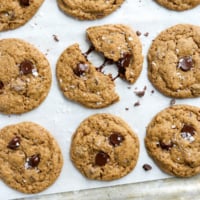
(89, 9)
(81, 82)
(179, 5)
(173, 138)
(173, 61)
(120, 44)
(104, 147)
(30, 158)
(25, 76)
(15, 13)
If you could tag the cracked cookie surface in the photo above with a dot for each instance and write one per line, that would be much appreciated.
(30, 158)
(173, 138)
(15, 13)
(81, 82)
(104, 147)
(120, 44)
(25, 76)
(89, 9)
(173, 61)
(179, 4)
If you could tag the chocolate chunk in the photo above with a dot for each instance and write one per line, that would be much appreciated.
(101, 158)
(138, 33)
(136, 104)
(80, 69)
(1, 85)
(34, 160)
(166, 146)
(55, 37)
(116, 139)
(14, 143)
(188, 129)
(185, 63)
(147, 167)
(123, 62)
(26, 67)
(141, 93)
(24, 2)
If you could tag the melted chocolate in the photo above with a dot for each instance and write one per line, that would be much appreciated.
(116, 139)
(24, 2)
(185, 63)
(1, 85)
(91, 48)
(26, 67)
(14, 143)
(123, 62)
(188, 129)
(101, 158)
(34, 160)
(166, 146)
(80, 69)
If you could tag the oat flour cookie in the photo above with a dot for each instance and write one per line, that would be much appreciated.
(15, 13)
(30, 158)
(104, 147)
(174, 60)
(173, 138)
(121, 45)
(89, 9)
(179, 4)
(81, 82)
(25, 76)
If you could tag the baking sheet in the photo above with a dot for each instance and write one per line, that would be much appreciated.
(61, 117)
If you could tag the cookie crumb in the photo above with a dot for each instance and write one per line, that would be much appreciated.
(147, 167)
(136, 104)
(55, 37)
(172, 102)
(138, 33)
(141, 93)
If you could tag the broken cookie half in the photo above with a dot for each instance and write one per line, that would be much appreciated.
(84, 83)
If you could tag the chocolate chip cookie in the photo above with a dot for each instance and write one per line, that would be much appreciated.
(81, 82)
(120, 44)
(104, 147)
(30, 158)
(173, 61)
(179, 4)
(15, 13)
(25, 76)
(173, 138)
(89, 9)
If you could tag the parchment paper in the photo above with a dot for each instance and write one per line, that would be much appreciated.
(61, 117)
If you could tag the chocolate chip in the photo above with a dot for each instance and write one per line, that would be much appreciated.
(101, 158)
(123, 62)
(14, 143)
(80, 69)
(34, 160)
(185, 63)
(26, 67)
(147, 167)
(116, 139)
(24, 2)
(188, 129)
(166, 146)
(1, 85)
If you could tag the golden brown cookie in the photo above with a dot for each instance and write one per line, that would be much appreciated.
(173, 138)
(173, 61)
(120, 44)
(80, 81)
(25, 76)
(89, 9)
(104, 147)
(30, 158)
(15, 13)
(179, 4)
